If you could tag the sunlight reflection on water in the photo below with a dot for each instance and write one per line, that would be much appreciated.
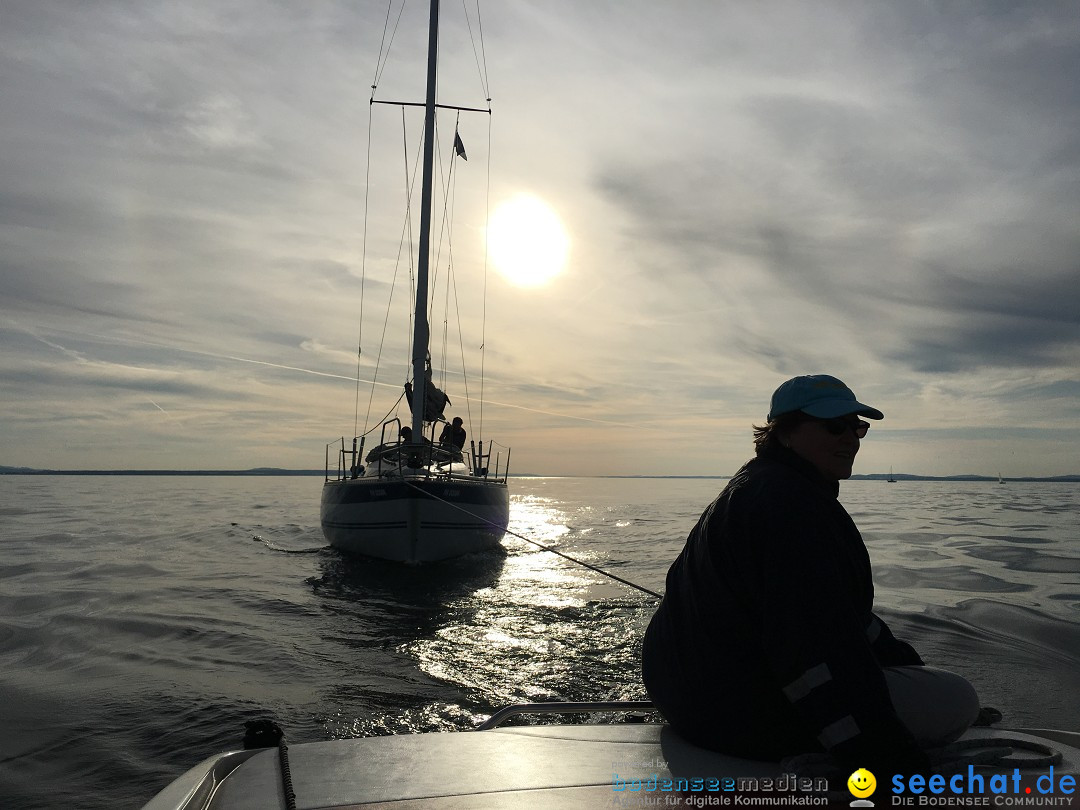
(538, 633)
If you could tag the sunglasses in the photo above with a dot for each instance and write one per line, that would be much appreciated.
(840, 425)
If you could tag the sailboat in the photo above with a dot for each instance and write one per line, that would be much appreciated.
(417, 497)
(891, 479)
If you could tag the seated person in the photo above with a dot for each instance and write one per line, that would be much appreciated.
(388, 451)
(765, 644)
(453, 435)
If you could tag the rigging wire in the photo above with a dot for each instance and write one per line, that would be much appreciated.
(483, 312)
(447, 226)
(380, 66)
(411, 251)
(384, 53)
(483, 55)
(481, 65)
(405, 239)
(363, 275)
(445, 237)
(393, 408)
(461, 348)
(449, 191)
(480, 56)
(410, 188)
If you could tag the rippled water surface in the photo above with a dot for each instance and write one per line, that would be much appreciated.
(144, 619)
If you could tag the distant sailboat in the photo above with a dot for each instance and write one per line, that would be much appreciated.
(1000, 479)
(422, 497)
(891, 479)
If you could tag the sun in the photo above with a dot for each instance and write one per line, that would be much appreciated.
(527, 242)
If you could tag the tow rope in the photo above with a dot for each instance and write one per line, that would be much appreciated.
(535, 543)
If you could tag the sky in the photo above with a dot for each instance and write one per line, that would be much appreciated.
(885, 192)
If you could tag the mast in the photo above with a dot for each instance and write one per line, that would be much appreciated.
(421, 330)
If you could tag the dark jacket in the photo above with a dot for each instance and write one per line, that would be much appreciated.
(765, 644)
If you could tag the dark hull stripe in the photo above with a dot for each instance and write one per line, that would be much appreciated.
(476, 526)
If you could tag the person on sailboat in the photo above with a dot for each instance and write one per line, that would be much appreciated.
(388, 452)
(453, 435)
(765, 644)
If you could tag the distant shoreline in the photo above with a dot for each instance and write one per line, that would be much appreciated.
(275, 471)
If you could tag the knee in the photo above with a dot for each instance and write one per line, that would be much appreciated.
(936, 705)
(960, 706)
(957, 692)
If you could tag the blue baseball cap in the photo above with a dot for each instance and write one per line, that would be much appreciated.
(818, 395)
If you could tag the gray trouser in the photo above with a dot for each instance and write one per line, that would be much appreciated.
(936, 705)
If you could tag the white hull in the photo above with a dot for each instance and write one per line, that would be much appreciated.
(414, 519)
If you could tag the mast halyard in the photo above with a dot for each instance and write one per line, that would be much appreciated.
(421, 329)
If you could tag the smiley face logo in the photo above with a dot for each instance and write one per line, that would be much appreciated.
(861, 783)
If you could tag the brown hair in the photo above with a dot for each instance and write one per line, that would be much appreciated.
(767, 436)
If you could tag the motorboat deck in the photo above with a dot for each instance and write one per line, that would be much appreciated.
(567, 766)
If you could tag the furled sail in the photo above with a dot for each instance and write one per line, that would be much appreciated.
(435, 400)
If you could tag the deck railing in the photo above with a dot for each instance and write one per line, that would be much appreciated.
(424, 458)
(623, 706)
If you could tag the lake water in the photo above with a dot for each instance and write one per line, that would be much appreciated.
(144, 619)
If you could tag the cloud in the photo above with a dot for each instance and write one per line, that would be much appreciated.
(906, 207)
(1028, 321)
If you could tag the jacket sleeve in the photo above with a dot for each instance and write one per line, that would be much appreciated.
(815, 639)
